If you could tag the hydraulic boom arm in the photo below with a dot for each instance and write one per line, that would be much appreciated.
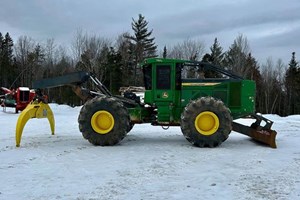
(75, 80)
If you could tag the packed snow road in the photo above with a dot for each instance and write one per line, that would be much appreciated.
(150, 163)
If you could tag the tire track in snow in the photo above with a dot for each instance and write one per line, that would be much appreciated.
(261, 182)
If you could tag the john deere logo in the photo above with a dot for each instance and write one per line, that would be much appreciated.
(165, 95)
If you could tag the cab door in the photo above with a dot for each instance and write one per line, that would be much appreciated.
(163, 86)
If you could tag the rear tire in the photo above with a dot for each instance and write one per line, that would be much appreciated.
(103, 121)
(206, 122)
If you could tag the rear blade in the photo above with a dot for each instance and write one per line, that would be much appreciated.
(266, 136)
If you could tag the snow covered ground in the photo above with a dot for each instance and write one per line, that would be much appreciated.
(150, 163)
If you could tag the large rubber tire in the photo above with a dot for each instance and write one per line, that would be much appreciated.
(105, 110)
(131, 125)
(206, 122)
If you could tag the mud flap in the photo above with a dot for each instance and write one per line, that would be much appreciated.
(34, 110)
(263, 134)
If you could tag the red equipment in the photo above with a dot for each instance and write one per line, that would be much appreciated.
(18, 99)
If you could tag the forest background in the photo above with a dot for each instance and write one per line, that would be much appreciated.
(115, 63)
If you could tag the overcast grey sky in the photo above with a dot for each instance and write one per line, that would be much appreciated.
(272, 27)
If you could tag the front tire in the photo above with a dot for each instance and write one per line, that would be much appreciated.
(103, 121)
(129, 128)
(206, 122)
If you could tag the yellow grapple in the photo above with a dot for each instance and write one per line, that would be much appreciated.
(36, 109)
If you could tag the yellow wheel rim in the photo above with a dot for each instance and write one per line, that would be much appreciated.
(102, 122)
(207, 123)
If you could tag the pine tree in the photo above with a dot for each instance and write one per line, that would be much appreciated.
(143, 44)
(235, 58)
(1, 58)
(125, 48)
(255, 74)
(114, 73)
(253, 68)
(165, 52)
(215, 57)
(6, 60)
(292, 84)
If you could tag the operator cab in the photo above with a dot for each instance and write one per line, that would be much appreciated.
(159, 81)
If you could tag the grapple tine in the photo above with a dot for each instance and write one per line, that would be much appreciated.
(34, 110)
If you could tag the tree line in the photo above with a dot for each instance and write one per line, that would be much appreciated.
(115, 63)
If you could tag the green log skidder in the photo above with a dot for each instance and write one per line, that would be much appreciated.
(176, 94)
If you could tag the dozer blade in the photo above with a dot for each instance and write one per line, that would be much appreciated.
(261, 134)
(34, 110)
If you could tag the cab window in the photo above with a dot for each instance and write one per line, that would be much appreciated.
(163, 74)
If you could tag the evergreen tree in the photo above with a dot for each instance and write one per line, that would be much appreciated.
(206, 58)
(114, 63)
(235, 58)
(8, 71)
(125, 48)
(215, 57)
(143, 45)
(255, 74)
(1, 58)
(64, 94)
(1, 40)
(292, 85)
(165, 52)
(253, 68)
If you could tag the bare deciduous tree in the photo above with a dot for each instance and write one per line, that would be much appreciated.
(273, 85)
(77, 45)
(24, 46)
(90, 53)
(189, 49)
(50, 48)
